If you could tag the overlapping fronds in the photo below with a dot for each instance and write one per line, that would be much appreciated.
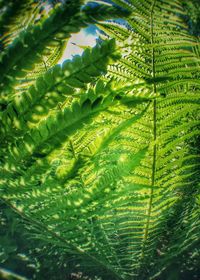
(39, 46)
(104, 163)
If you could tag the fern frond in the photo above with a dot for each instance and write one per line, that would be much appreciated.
(174, 68)
(15, 17)
(40, 46)
(55, 87)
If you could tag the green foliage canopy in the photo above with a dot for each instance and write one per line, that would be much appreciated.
(99, 155)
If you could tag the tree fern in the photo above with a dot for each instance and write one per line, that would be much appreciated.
(100, 155)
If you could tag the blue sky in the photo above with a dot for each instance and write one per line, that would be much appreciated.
(86, 37)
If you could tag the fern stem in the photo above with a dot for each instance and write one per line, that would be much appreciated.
(154, 134)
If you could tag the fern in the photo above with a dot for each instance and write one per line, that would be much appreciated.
(100, 155)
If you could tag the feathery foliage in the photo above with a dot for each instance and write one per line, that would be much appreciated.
(99, 155)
